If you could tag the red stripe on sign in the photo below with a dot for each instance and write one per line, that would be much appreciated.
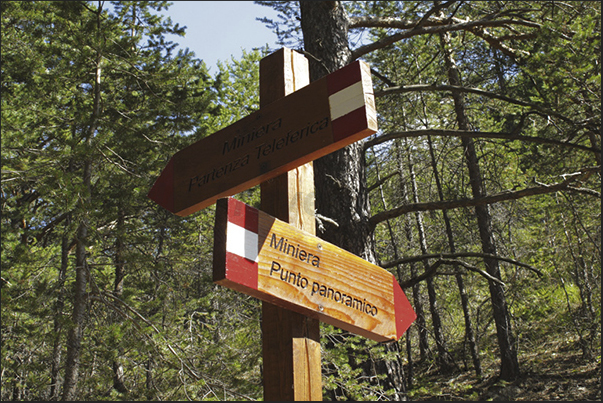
(162, 191)
(405, 315)
(349, 124)
(343, 77)
(242, 215)
(241, 270)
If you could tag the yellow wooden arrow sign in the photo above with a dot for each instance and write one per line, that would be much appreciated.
(266, 258)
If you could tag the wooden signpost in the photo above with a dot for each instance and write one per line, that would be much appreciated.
(291, 362)
(316, 120)
(266, 258)
(273, 254)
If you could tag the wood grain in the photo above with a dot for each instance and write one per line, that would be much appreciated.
(302, 273)
(333, 289)
(291, 341)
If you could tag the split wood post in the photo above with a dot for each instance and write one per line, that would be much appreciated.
(291, 341)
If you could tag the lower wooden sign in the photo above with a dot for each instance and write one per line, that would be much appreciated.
(266, 258)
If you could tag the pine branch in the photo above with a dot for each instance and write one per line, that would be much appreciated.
(432, 271)
(448, 256)
(503, 196)
(452, 88)
(101, 296)
(394, 22)
(431, 29)
(473, 134)
(385, 22)
(382, 181)
(497, 43)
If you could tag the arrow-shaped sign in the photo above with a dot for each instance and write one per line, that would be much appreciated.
(324, 116)
(261, 256)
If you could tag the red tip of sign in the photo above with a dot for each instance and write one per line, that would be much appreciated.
(405, 315)
(162, 191)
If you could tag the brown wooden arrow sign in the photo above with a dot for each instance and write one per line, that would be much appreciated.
(261, 256)
(324, 116)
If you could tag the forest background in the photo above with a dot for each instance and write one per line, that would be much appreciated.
(480, 192)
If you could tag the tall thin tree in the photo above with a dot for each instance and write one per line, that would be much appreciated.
(509, 368)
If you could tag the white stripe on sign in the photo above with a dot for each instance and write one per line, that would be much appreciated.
(241, 241)
(346, 100)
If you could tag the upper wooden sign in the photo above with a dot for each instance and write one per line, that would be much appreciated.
(266, 258)
(313, 121)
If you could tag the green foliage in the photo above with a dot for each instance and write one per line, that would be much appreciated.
(177, 335)
(166, 326)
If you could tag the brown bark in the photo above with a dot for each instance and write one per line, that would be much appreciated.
(117, 366)
(469, 335)
(443, 358)
(509, 369)
(57, 347)
(80, 301)
(341, 193)
(340, 178)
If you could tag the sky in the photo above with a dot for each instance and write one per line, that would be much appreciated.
(219, 30)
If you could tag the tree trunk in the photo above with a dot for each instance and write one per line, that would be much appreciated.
(584, 280)
(469, 335)
(80, 299)
(443, 358)
(340, 177)
(340, 181)
(149, 381)
(76, 331)
(57, 347)
(395, 371)
(509, 365)
(417, 295)
(118, 369)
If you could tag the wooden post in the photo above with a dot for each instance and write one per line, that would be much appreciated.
(291, 341)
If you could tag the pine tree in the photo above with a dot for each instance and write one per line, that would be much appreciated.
(86, 104)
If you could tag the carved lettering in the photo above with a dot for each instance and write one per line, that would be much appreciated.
(283, 245)
(288, 276)
(342, 298)
(216, 173)
(267, 148)
(296, 251)
(246, 138)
